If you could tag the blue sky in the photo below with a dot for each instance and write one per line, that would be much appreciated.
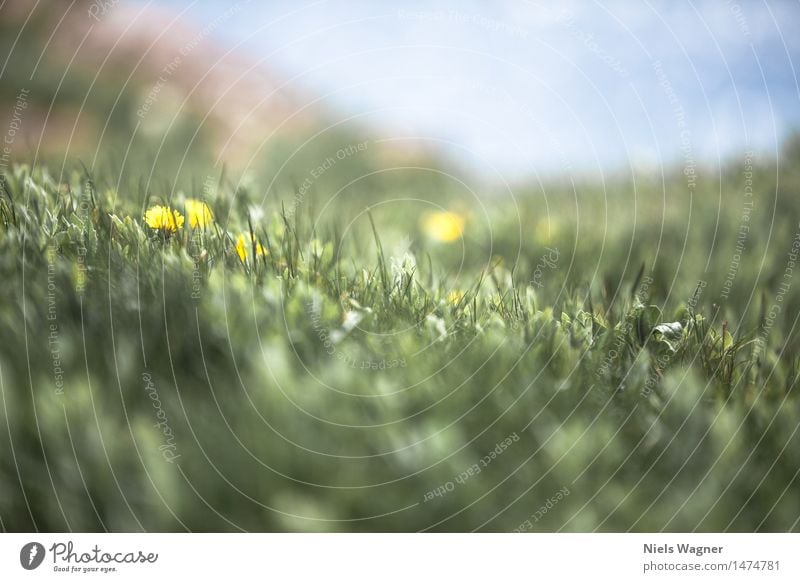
(520, 87)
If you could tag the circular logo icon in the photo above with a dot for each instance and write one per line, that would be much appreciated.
(31, 555)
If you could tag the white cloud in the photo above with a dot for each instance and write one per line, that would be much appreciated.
(558, 78)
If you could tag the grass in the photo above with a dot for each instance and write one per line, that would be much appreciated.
(295, 366)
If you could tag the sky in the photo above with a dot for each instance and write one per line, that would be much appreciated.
(513, 88)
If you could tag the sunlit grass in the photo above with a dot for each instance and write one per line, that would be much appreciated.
(288, 354)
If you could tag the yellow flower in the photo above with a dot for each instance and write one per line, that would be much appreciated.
(245, 243)
(443, 226)
(199, 213)
(455, 297)
(163, 218)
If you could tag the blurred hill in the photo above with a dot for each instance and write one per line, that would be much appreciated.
(126, 85)
(97, 73)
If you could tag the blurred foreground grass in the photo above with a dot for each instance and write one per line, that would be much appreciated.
(572, 361)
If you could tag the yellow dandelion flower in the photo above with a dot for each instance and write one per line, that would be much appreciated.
(199, 213)
(443, 226)
(245, 244)
(455, 297)
(164, 218)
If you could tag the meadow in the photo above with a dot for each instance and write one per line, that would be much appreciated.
(214, 353)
